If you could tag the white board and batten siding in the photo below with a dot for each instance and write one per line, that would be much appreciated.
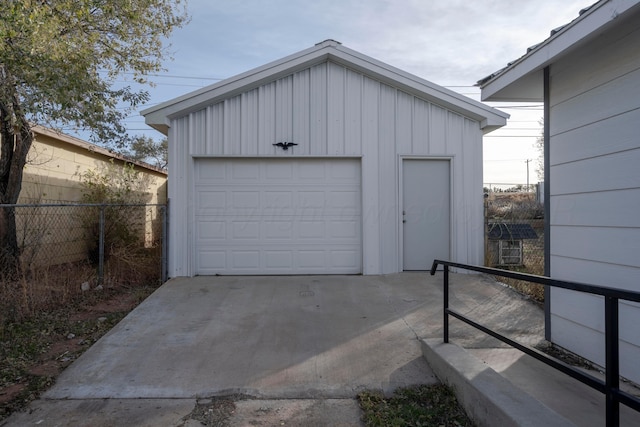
(332, 112)
(595, 191)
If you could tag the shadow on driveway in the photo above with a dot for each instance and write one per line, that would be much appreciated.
(284, 337)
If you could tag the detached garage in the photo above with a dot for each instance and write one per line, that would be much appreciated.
(324, 162)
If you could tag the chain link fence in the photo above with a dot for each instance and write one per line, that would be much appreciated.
(64, 249)
(514, 236)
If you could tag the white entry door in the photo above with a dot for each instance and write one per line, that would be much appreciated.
(426, 212)
(278, 216)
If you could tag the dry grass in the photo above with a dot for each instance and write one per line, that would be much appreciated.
(35, 350)
(52, 287)
(522, 208)
(47, 317)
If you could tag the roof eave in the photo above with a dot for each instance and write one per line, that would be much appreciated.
(80, 143)
(414, 85)
(159, 117)
(522, 80)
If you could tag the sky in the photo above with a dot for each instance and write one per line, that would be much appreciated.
(452, 43)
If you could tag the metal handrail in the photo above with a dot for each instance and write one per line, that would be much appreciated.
(611, 386)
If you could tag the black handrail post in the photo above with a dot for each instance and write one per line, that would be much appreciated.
(612, 360)
(446, 304)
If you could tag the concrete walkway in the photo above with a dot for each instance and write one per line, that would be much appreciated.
(297, 348)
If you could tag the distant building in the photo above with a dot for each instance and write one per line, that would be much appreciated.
(506, 246)
(56, 162)
(51, 235)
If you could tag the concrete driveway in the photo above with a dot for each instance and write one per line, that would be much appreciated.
(293, 337)
(268, 337)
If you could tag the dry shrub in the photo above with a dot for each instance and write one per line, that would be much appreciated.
(513, 206)
(41, 289)
(532, 290)
(53, 287)
(520, 208)
(134, 266)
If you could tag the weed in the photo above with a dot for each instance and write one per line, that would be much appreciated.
(34, 350)
(518, 208)
(422, 405)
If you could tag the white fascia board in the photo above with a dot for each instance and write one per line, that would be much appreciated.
(414, 85)
(159, 116)
(522, 80)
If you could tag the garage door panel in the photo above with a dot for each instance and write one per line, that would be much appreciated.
(245, 230)
(278, 230)
(245, 199)
(242, 172)
(344, 229)
(312, 259)
(343, 172)
(311, 199)
(344, 258)
(278, 259)
(278, 200)
(311, 229)
(212, 200)
(210, 174)
(279, 171)
(245, 259)
(214, 260)
(292, 216)
(208, 230)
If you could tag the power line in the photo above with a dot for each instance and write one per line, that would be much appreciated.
(173, 76)
(511, 136)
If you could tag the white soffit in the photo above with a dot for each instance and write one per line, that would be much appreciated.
(522, 80)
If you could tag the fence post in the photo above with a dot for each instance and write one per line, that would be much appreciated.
(163, 275)
(101, 247)
(446, 304)
(612, 361)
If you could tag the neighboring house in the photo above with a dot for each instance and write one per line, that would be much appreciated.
(57, 161)
(588, 75)
(51, 235)
(324, 162)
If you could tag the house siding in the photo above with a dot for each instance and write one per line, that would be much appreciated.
(595, 190)
(331, 110)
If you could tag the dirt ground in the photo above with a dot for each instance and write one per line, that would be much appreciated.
(33, 357)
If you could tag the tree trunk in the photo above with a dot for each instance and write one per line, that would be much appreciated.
(9, 250)
(15, 142)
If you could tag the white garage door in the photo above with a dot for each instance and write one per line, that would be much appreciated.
(293, 216)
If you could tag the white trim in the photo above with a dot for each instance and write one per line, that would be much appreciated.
(159, 116)
(192, 244)
(576, 33)
(274, 156)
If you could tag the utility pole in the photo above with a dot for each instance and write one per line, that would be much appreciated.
(527, 162)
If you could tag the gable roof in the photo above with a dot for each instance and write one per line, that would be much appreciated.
(92, 148)
(502, 231)
(522, 79)
(159, 116)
